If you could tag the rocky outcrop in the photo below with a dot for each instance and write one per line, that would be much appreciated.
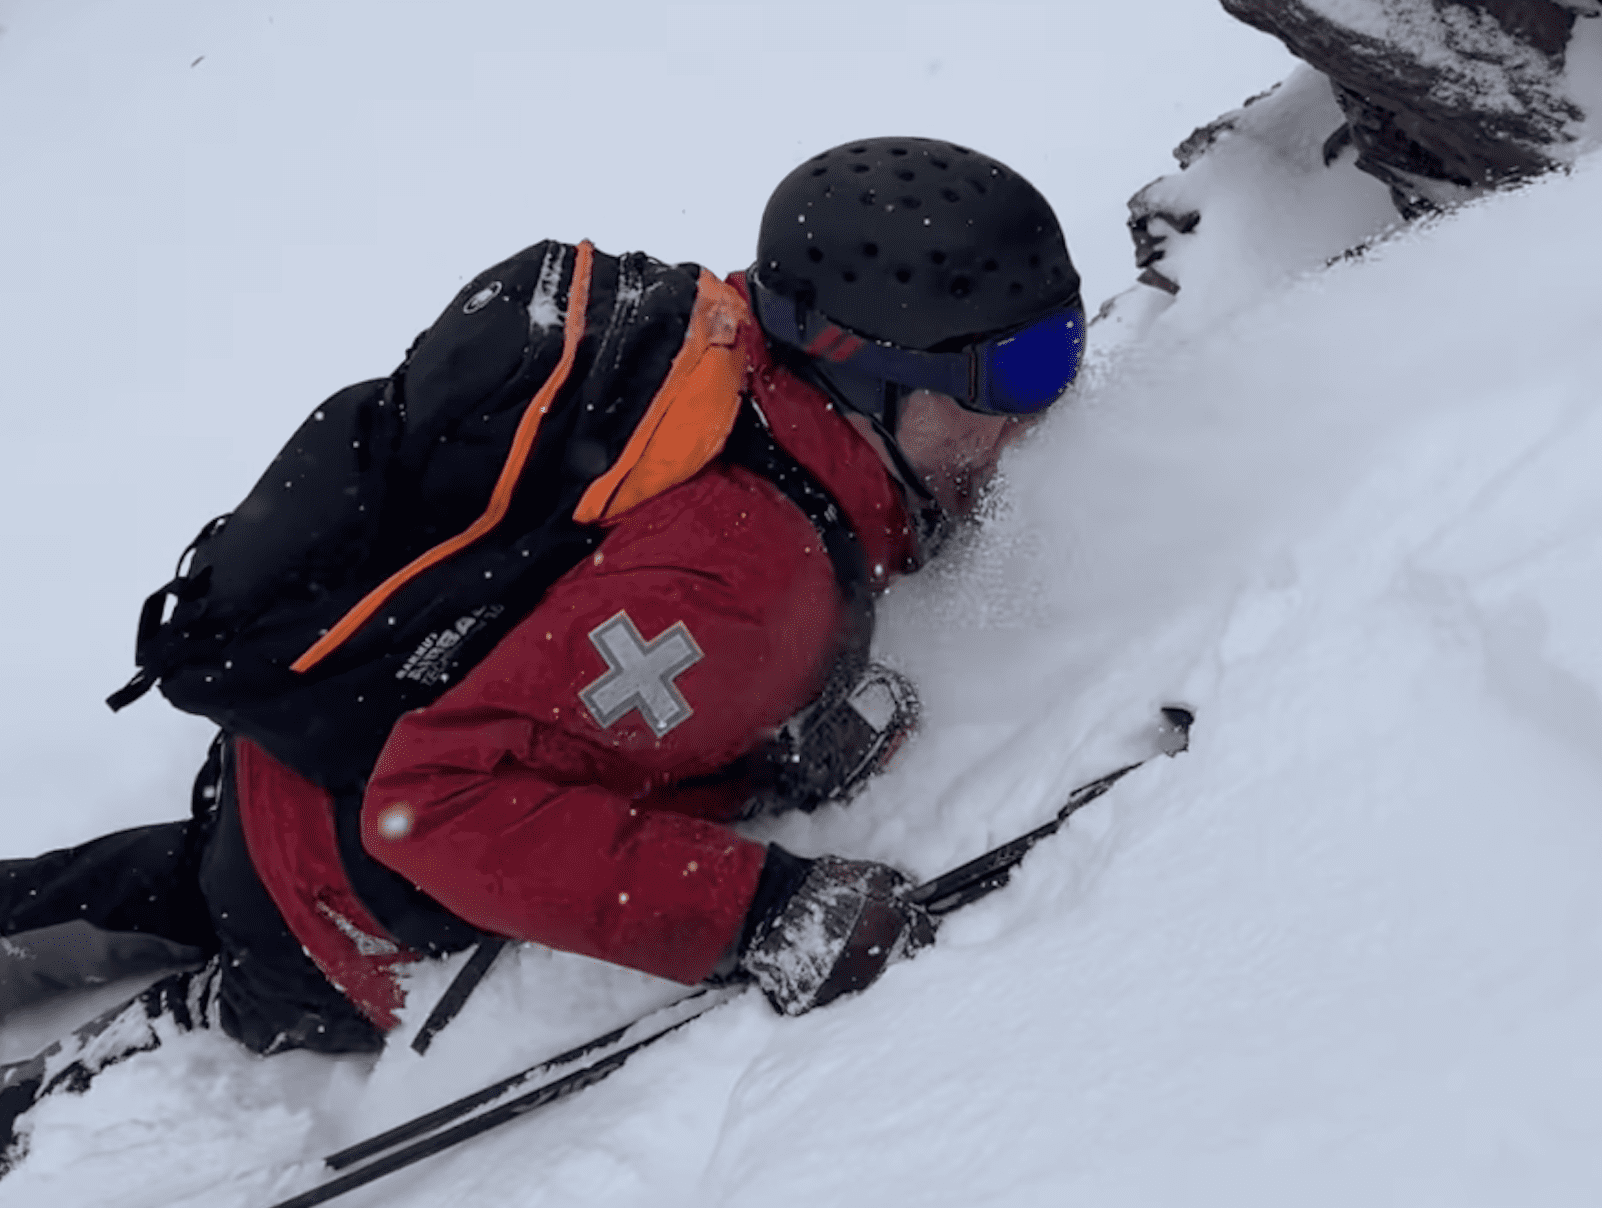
(1437, 100)
(1155, 217)
(1442, 98)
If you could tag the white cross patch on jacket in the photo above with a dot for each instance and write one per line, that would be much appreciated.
(640, 675)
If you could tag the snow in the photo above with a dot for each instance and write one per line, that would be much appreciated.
(1298, 216)
(1346, 949)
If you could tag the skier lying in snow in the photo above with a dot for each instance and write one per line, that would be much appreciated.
(745, 462)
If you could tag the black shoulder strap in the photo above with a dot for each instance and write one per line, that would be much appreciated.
(751, 444)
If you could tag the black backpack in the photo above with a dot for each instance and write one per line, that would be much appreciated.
(412, 521)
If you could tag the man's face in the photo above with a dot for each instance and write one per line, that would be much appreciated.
(955, 450)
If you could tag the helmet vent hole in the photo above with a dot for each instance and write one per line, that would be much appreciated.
(898, 150)
(849, 277)
(940, 163)
(1056, 272)
(814, 254)
(903, 275)
(960, 287)
(1034, 261)
(951, 194)
(1015, 288)
(938, 257)
(912, 203)
(819, 171)
(991, 266)
(906, 174)
(859, 150)
(859, 168)
(978, 186)
(870, 250)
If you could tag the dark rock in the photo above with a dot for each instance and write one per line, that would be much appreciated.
(1202, 138)
(1148, 241)
(1145, 209)
(1336, 143)
(1540, 23)
(1156, 280)
(1443, 98)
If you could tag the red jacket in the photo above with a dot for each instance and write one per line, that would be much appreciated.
(540, 798)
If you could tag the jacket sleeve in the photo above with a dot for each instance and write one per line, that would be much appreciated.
(543, 799)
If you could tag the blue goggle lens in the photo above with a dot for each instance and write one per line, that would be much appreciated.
(1028, 370)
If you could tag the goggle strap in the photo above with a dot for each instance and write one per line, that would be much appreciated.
(945, 372)
(903, 466)
(835, 345)
(951, 373)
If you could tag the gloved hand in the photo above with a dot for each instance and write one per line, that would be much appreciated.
(828, 927)
(830, 750)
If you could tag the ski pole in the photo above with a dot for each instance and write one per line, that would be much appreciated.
(987, 873)
(390, 1154)
(417, 1139)
(458, 1108)
(457, 993)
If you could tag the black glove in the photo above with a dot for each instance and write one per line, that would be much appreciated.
(822, 928)
(833, 747)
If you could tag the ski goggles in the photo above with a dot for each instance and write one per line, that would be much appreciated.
(1017, 372)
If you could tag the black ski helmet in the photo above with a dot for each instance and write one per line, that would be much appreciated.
(914, 242)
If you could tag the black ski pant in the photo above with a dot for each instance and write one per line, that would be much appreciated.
(117, 906)
(174, 893)
(186, 891)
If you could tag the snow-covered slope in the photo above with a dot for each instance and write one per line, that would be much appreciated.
(1347, 949)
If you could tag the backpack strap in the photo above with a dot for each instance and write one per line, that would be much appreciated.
(184, 585)
(691, 415)
(751, 444)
